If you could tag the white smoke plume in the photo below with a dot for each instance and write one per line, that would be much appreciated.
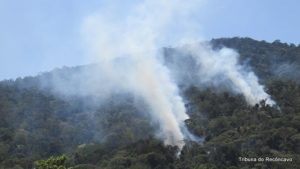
(216, 68)
(128, 60)
(126, 50)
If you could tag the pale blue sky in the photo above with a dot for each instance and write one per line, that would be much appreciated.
(39, 35)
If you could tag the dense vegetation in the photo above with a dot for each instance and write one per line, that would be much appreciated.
(39, 129)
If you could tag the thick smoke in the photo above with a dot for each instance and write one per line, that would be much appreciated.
(199, 65)
(128, 60)
(126, 50)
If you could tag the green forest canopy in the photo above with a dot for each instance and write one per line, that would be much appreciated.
(36, 125)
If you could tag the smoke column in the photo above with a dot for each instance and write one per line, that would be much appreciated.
(221, 67)
(126, 50)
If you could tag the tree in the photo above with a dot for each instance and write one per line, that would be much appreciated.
(52, 163)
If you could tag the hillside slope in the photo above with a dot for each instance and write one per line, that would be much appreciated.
(36, 123)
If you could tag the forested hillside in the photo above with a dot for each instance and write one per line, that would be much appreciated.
(36, 124)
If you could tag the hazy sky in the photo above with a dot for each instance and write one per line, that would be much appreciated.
(39, 35)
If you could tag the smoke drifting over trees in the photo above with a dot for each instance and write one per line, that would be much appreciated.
(57, 111)
(128, 61)
(156, 96)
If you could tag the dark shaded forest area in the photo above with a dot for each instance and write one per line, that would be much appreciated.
(38, 129)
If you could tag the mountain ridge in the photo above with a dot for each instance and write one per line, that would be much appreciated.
(36, 123)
